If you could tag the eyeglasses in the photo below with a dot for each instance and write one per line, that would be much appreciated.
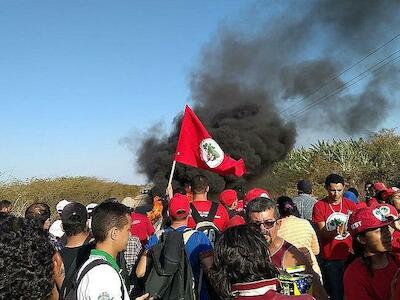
(268, 224)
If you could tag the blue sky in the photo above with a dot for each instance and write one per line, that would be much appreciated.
(77, 76)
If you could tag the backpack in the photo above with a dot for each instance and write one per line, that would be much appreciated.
(171, 275)
(70, 279)
(72, 293)
(205, 224)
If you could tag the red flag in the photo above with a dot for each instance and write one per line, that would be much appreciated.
(196, 148)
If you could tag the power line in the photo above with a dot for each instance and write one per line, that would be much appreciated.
(337, 76)
(345, 85)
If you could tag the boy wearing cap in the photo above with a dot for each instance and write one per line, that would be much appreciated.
(229, 199)
(198, 248)
(74, 222)
(56, 228)
(370, 275)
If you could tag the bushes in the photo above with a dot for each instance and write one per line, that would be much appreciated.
(50, 191)
(374, 158)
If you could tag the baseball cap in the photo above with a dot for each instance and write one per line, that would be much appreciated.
(256, 193)
(371, 218)
(74, 209)
(227, 197)
(379, 186)
(60, 205)
(235, 221)
(90, 207)
(129, 202)
(179, 206)
(304, 186)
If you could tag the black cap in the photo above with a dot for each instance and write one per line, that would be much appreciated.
(74, 213)
(304, 186)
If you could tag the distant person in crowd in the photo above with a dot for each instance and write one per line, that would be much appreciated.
(376, 198)
(255, 193)
(74, 222)
(5, 207)
(392, 196)
(263, 214)
(134, 247)
(354, 191)
(56, 228)
(369, 191)
(141, 226)
(330, 214)
(229, 199)
(111, 228)
(89, 208)
(297, 231)
(241, 268)
(27, 266)
(203, 206)
(198, 248)
(304, 201)
(40, 213)
(370, 275)
(354, 198)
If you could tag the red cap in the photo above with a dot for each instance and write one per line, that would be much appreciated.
(371, 218)
(256, 193)
(235, 221)
(227, 197)
(379, 186)
(387, 193)
(179, 206)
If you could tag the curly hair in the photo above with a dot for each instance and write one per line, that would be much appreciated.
(26, 265)
(241, 255)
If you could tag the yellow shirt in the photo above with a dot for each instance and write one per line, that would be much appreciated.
(301, 234)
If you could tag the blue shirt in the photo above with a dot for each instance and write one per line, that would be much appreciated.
(197, 243)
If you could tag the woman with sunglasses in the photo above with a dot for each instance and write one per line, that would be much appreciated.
(297, 231)
(370, 274)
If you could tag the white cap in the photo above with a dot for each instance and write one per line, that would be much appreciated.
(60, 205)
(90, 207)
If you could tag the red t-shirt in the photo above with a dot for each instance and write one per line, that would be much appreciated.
(372, 202)
(396, 245)
(141, 227)
(359, 285)
(332, 214)
(203, 207)
(361, 204)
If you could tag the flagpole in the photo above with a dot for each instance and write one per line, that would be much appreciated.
(171, 175)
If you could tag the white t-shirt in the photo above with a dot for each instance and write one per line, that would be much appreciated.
(101, 282)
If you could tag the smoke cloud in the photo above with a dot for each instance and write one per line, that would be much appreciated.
(252, 87)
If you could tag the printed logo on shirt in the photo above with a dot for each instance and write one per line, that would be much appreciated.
(381, 213)
(105, 296)
(334, 220)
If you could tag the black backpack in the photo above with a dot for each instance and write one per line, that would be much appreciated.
(171, 275)
(72, 293)
(205, 224)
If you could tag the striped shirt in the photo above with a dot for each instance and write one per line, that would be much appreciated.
(301, 234)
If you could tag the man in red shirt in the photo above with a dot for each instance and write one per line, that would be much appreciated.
(330, 215)
(200, 203)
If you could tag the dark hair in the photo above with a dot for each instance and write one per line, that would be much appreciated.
(241, 255)
(286, 207)
(259, 205)
(38, 211)
(333, 178)
(354, 191)
(199, 184)
(26, 266)
(5, 204)
(106, 216)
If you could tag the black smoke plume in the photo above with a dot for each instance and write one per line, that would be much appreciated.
(254, 87)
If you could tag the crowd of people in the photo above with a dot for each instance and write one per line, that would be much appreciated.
(189, 247)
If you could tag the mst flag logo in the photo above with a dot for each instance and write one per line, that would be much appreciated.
(211, 153)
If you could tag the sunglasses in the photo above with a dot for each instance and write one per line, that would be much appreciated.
(268, 224)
